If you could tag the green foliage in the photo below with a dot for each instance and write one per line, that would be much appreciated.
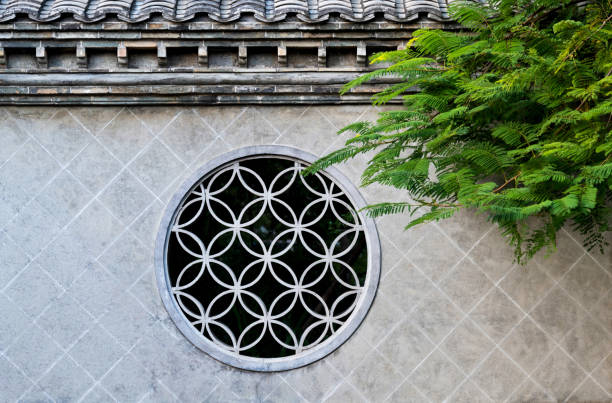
(512, 117)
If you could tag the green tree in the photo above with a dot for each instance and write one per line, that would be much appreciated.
(512, 117)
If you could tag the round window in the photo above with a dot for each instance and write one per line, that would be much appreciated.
(262, 267)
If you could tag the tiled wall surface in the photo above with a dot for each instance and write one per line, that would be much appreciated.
(81, 195)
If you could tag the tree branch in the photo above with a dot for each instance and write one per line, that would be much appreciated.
(514, 178)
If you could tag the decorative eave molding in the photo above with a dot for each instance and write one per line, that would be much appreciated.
(182, 88)
(197, 62)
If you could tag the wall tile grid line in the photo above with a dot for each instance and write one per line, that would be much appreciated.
(81, 194)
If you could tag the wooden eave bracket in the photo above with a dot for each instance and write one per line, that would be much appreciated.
(242, 56)
(282, 56)
(122, 55)
(322, 56)
(2, 58)
(81, 56)
(203, 55)
(162, 55)
(41, 57)
(362, 54)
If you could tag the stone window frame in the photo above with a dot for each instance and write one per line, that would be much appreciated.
(269, 364)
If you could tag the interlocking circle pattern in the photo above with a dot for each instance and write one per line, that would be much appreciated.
(265, 268)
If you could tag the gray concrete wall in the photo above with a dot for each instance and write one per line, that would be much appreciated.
(81, 195)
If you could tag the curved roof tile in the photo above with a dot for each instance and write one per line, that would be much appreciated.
(223, 10)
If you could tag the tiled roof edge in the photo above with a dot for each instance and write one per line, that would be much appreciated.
(135, 11)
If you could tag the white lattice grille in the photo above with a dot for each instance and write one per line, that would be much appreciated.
(265, 262)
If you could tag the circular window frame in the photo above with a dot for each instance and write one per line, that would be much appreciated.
(267, 364)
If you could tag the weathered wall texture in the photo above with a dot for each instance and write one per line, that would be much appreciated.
(81, 195)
